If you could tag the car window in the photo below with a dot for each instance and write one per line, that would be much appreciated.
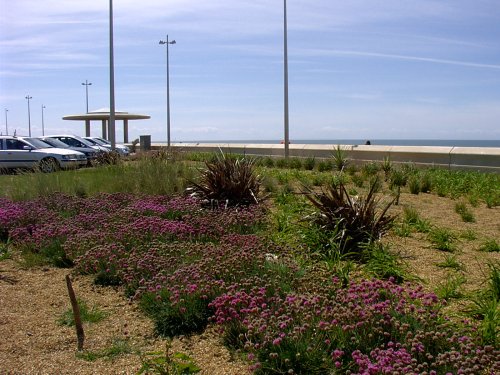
(15, 144)
(70, 141)
(38, 143)
(55, 142)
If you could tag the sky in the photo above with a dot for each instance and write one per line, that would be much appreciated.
(358, 69)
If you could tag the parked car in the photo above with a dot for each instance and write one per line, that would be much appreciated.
(76, 141)
(90, 153)
(120, 148)
(26, 152)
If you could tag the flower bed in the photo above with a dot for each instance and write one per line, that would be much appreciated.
(187, 266)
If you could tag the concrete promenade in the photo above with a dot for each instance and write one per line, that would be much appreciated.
(486, 159)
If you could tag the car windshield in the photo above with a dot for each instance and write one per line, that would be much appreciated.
(37, 143)
(98, 141)
(92, 141)
(104, 141)
(55, 142)
(84, 141)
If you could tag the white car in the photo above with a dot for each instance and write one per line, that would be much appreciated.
(26, 152)
(120, 148)
(76, 141)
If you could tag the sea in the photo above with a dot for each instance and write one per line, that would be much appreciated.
(383, 142)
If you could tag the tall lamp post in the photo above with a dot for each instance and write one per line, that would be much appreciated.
(87, 84)
(28, 98)
(287, 141)
(6, 122)
(168, 91)
(111, 132)
(43, 125)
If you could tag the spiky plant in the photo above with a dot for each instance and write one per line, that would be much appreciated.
(228, 180)
(356, 220)
(339, 157)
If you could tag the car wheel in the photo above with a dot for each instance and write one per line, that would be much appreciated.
(48, 165)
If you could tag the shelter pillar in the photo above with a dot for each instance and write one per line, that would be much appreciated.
(87, 128)
(125, 130)
(104, 132)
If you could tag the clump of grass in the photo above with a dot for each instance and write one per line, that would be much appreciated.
(325, 166)
(442, 239)
(414, 184)
(397, 180)
(118, 347)
(451, 288)
(167, 363)
(87, 314)
(339, 158)
(309, 163)
(464, 212)
(357, 180)
(384, 264)
(485, 306)
(451, 261)
(386, 166)
(469, 234)
(412, 220)
(490, 246)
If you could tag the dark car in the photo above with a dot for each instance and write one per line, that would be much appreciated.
(89, 152)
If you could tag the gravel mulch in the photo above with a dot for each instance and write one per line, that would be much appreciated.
(33, 342)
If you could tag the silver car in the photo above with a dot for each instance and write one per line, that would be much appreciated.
(120, 148)
(26, 152)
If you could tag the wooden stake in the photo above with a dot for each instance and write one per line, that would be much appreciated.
(76, 313)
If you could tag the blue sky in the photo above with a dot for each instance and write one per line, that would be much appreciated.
(363, 69)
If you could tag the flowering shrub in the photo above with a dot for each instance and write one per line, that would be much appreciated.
(372, 327)
(187, 266)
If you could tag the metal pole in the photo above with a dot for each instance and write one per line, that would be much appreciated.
(6, 122)
(87, 84)
(167, 42)
(286, 83)
(29, 114)
(111, 134)
(168, 99)
(43, 125)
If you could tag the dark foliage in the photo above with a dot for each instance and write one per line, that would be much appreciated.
(228, 180)
(355, 221)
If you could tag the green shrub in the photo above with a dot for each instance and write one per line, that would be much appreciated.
(414, 184)
(384, 264)
(325, 166)
(87, 314)
(190, 315)
(339, 158)
(490, 246)
(295, 163)
(442, 239)
(356, 221)
(464, 212)
(167, 363)
(451, 287)
(309, 163)
(228, 180)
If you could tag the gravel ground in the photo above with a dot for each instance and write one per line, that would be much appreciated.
(32, 342)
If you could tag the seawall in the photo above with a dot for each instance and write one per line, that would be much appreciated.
(486, 159)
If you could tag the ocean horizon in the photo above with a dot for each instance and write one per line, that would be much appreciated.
(381, 142)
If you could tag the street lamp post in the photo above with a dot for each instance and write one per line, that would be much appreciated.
(6, 122)
(111, 132)
(287, 141)
(43, 125)
(168, 91)
(87, 84)
(28, 98)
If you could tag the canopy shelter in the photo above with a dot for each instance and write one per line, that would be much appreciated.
(103, 116)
